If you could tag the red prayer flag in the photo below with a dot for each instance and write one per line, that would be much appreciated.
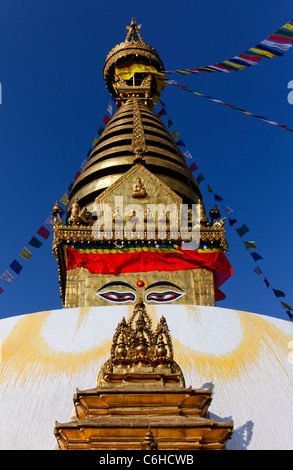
(43, 232)
(162, 112)
(232, 221)
(267, 282)
(106, 119)
(250, 57)
(193, 167)
(275, 37)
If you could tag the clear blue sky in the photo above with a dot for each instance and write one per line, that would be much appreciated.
(54, 99)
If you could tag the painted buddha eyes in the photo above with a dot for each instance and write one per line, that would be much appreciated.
(113, 296)
(152, 296)
(167, 296)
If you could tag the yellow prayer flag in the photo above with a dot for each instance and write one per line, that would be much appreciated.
(64, 199)
(265, 53)
(25, 254)
(234, 65)
(288, 26)
(127, 72)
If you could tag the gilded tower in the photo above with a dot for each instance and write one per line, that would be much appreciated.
(122, 234)
(136, 232)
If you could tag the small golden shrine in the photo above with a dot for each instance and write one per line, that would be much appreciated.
(141, 401)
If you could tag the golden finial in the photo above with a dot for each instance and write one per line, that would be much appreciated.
(56, 209)
(149, 442)
(214, 214)
(133, 31)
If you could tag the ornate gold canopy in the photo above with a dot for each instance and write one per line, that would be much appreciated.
(132, 48)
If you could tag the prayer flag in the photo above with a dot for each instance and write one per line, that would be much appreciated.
(209, 189)
(170, 123)
(200, 178)
(1, 290)
(89, 152)
(284, 33)
(242, 230)
(249, 245)
(100, 131)
(286, 306)
(77, 175)
(262, 52)
(274, 37)
(193, 167)
(227, 209)
(270, 50)
(110, 108)
(180, 142)
(15, 266)
(70, 186)
(287, 311)
(256, 256)
(25, 254)
(278, 293)
(282, 47)
(83, 164)
(7, 277)
(257, 270)
(95, 141)
(64, 199)
(50, 221)
(106, 119)
(266, 282)
(43, 232)
(162, 112)
(218, 198)
(35, 242)
(174, 134)
(232, 221)
(187, 154)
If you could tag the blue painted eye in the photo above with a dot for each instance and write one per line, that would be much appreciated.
(113, 296)
(167, 296)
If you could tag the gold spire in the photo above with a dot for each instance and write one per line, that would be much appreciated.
(133, 31)
(132, 48)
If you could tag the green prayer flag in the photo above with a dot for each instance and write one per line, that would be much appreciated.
(200, 178)
(25, 254)
(35, 242)
(278, 293)
(286, 306)
(242, 230)
(209, 189)
(249, 245)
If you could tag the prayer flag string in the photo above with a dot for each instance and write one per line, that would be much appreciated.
(45, 230)
(241, 230)
(210, 98)
(274, 45)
